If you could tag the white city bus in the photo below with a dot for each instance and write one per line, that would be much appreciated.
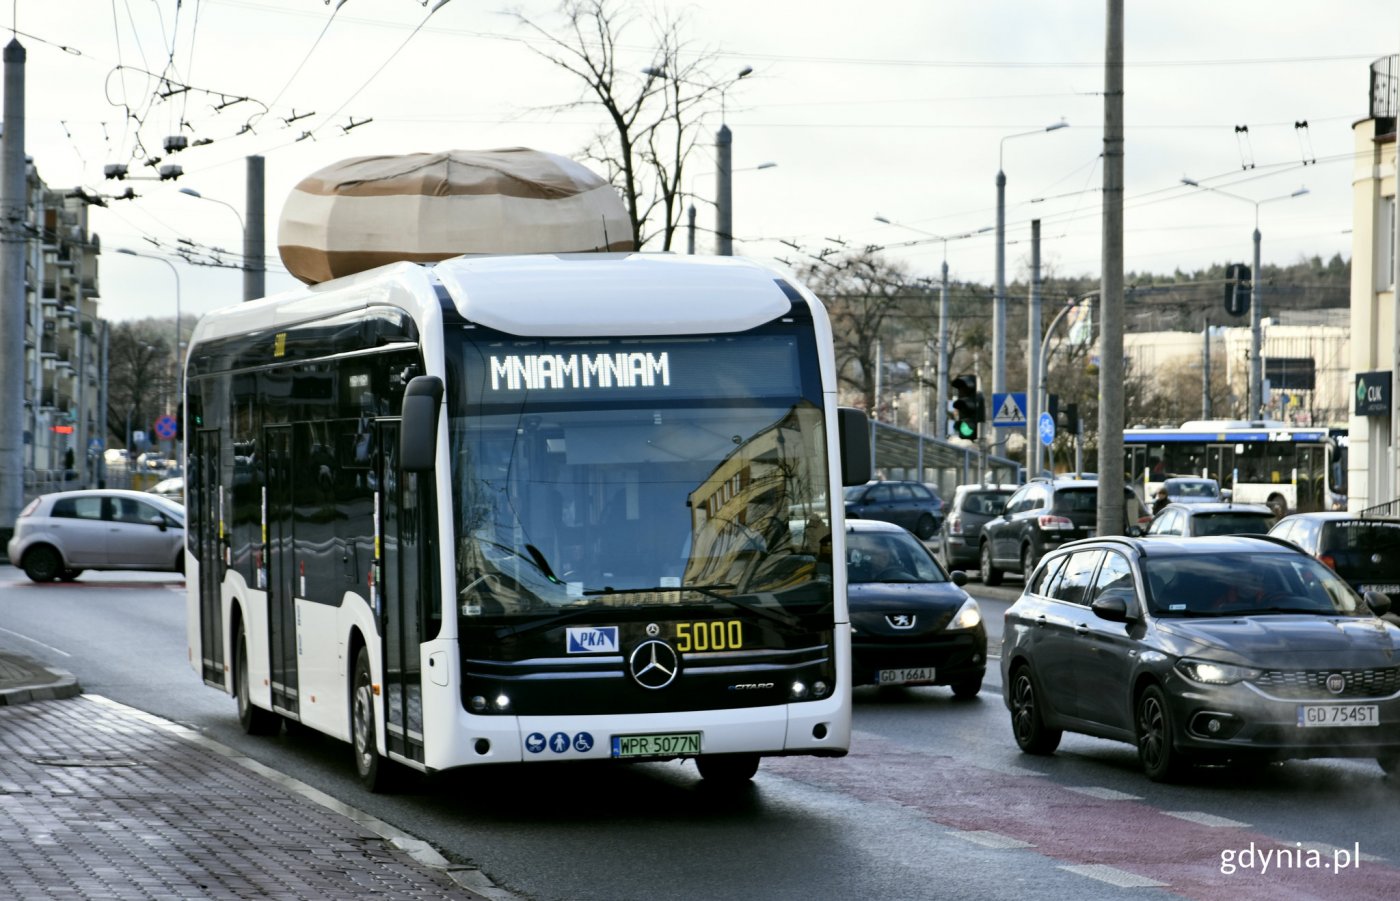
(1291, 468)
(543, 508)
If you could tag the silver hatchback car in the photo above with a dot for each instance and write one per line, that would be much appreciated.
(58, 536)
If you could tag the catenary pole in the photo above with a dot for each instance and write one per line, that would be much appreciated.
(13, 212)
(1111, 510)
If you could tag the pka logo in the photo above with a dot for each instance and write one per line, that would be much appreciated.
(592, 639)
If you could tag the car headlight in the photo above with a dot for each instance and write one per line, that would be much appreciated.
(968, 615)
(1208, 672)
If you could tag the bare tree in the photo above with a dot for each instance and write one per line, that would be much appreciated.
(653, 111)
(139, 382)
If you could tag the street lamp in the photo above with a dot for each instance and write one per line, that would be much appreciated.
(252, 262)
(999, 301)
(179, 387)
(690, 210)
(1255, 400)
(724, 173)
(940, 427)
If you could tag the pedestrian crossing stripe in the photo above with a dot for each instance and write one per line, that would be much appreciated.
(1009, 411)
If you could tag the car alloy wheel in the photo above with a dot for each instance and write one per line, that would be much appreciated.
(991, 576)
(924, 527)
(1156, 736)
(1027, 722)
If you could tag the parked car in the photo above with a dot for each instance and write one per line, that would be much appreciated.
(1212, 518)
(1191, 490)
(971, 508)
(911, 623)
(1363, 550)
(58, 536)
(1236, 648)
(913, 505)
(1042, 515)
(174, 489)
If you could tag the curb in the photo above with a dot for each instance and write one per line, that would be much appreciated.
(59, 684)
(467, 876)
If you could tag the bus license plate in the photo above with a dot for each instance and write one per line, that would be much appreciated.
(667, 745)
(904, 676)
(1338, 715)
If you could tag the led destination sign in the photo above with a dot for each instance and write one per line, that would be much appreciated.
(542, 372)
(735, 367)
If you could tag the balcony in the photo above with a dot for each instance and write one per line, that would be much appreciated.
(1385, 91)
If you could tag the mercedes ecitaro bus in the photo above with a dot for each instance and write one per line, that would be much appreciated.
(526, 508)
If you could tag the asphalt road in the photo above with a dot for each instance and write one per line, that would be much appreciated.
(934, 800)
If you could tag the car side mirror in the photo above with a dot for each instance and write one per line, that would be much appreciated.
(1378, 602)
(959, 578)
(1111, 606)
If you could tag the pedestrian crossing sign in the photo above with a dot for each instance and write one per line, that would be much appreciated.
(1009, 410)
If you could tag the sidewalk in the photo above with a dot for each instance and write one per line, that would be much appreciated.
(99, 800)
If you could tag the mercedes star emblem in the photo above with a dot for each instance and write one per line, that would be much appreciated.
(654, 664)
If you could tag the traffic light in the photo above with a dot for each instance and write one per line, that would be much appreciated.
(966, 407)
(1068, 421)
(1237, 289)
(1052, 406)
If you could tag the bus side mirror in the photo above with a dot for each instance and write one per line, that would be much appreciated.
(854, 437)
(422, 401)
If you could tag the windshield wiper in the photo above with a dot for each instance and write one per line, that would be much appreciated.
(711, 591)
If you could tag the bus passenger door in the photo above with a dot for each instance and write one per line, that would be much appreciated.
(1311, 464)
(203, 494)
(281, 592)
(402, 592)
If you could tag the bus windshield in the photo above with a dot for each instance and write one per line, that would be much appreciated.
(636, 472)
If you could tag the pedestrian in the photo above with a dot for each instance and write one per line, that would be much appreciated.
(1161, 501)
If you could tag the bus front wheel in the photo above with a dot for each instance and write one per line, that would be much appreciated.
(369, 766)
(253, 719)
(727, 769)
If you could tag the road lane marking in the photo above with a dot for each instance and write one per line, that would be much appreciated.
(1206, 819)
(36, 641)
(1103, 794)
(991, 839)
(1113, 876)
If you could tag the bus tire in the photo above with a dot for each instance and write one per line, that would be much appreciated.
(253, 719)
(727, 769)
(372, 769)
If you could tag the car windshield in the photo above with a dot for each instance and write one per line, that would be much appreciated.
(986, 502)
(1245, 584)
(889, 557)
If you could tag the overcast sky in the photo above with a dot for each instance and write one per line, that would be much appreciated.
(889, 107)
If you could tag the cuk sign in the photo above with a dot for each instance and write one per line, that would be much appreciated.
(1372, 394)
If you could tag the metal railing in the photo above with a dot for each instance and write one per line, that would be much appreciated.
(1389, 508)
(902, 454)
(1385, 87)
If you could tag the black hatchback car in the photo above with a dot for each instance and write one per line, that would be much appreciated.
(911, 623)
(1209, 649)
(913, 505)
(1364, 550)
(1042, 515)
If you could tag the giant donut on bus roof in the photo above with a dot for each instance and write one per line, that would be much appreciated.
(421, 207)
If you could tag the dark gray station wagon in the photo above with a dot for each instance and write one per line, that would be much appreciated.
(1201, 649)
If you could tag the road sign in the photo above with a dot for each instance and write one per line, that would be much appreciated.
(165, 427)
(1009, 410)
(1047, 429)
(95, 444)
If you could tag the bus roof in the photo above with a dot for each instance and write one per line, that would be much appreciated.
(559, 295)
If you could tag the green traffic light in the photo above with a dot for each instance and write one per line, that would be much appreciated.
(967, 430)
